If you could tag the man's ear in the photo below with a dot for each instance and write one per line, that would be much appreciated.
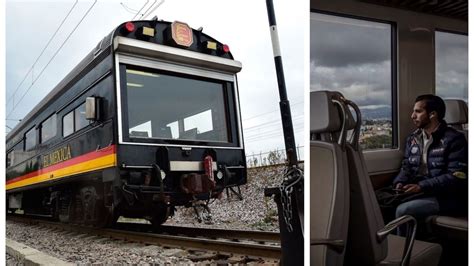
(432, 114)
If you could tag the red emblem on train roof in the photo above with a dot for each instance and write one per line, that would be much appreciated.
(181, 33)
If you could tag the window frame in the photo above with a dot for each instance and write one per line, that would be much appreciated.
(74, 119)
(435, 58)
(9, 161)
(394, 70)
(230, 105)
(32, 129)
(55, 131)
(73, 125)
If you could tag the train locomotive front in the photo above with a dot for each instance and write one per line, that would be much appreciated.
(161, 128)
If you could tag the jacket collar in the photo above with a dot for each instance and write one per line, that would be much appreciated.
(438, 133)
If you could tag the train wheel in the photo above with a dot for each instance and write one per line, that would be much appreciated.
(160, 215)
(66, 207)
(93, 210)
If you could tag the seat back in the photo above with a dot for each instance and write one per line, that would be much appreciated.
(365, 219)
(456, 114)
(329, 197)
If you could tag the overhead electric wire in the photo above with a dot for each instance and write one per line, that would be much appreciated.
(128, 9)
(146, 3)
(148, 8)
(42, 52)
(275, 122)
(271, 135)
(269, 131)
(270, 112)
(153, 9)
(54, 55)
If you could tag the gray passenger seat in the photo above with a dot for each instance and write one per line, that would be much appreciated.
(456, 115)
(329, 181)
(447, 227)
(369, 241)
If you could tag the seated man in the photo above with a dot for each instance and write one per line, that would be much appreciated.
(435, 163)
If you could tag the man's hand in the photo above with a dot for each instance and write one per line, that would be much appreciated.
(398, 186)
(414, 188)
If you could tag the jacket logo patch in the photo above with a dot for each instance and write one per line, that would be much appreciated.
(414, 150)
(460, 175)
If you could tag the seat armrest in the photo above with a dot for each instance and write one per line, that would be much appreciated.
(337, 245)
(409, 238)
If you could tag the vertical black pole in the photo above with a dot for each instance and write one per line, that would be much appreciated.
(289, 196)
(284, 103)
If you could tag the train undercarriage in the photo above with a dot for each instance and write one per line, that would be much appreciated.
(100, 204)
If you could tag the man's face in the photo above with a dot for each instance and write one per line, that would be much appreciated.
(420, 116)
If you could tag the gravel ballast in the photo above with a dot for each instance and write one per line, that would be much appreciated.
(254, 212)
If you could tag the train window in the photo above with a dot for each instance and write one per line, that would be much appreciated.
(68, 124)
(48, 128)
(200, 115)
(354, 57)
(451, 65)
(80, 120)
(9, 159)
(30, 139)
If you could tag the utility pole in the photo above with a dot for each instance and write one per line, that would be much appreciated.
(289, 195)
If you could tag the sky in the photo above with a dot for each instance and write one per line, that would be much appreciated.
(355, 61)
(243, 25)
(451, 65)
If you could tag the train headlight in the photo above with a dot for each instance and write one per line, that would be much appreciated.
(150, 32)
(220, 175)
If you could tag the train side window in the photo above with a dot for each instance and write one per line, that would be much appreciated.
(68, 124)
(451, 65)
(9, 159)
(48, 129)
(30, 139)
(80, 120)
(356, 58)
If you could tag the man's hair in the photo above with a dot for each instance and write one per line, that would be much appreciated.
(433, 103)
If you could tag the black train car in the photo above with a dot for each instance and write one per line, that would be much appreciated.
(149, 120)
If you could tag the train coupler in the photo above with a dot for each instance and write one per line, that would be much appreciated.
(194, 183)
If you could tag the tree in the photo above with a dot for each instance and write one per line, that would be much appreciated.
(274, 157)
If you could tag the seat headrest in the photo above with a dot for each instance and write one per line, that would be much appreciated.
(325, 115)
(456, 112)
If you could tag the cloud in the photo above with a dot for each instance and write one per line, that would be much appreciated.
(338, 42)
(365, 84)
(451, 53)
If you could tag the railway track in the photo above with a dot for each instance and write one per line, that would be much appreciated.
(238, 244)
(235, 235)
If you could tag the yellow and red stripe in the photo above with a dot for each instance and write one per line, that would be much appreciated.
(88, 162)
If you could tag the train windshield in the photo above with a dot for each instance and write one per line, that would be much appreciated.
(163, 105)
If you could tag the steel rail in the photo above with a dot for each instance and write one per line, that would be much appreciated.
(206, 232)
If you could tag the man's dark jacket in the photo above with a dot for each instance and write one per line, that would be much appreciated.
(446, 163)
